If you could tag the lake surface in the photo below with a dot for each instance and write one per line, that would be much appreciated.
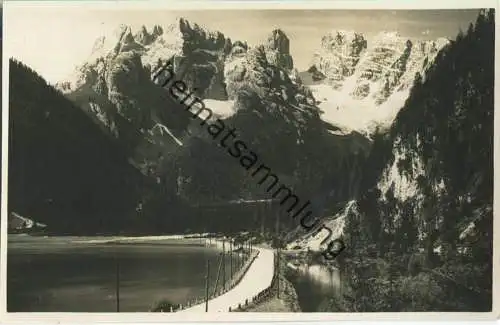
(64, 274)
(313, 284)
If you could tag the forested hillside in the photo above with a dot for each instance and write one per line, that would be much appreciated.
(63, 171)
(422, 229)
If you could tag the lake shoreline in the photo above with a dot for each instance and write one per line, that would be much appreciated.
(83, 272)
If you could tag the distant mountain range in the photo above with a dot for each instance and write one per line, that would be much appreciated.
(429, 176)
(359, 82)
(244, 85)
(314, 127)
(348, 75)
(391, 140)
(362, 85)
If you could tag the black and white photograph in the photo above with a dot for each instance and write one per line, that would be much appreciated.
(247, 160)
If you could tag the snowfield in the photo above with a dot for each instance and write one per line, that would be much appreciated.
(220, 108)
(340, 109)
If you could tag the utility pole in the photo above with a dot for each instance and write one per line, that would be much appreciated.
(218, 274)
(278, 245)
(238, 259)
(262, 225)
(236, 256)
(278, 272)
(224, 264)
(117, 284)
(207, 285)
(231, 257)
(240, 254)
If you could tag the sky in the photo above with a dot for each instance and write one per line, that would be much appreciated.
(54, 40)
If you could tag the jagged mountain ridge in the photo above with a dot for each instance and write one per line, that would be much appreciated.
(362, 84)
(349, 76)
(211, 57)
(244, 85)
(115, 85)
(429, 184)
(421, 228)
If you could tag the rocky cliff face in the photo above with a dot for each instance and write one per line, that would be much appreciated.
(428, 181)
(114, 86)
(115, 82)
(365, 82)
(278, 50)
(428, 200)
(339, 55)
(244, 85)
(120, 67)
(369, 80)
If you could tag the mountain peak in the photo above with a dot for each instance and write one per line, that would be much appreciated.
(362, 75)
(279, 41)
(157, 30)
(341, 36)
(122, 31)
(143, 37)
(277, 49)
(347, 42)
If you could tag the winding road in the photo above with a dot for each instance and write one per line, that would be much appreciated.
(257, 278)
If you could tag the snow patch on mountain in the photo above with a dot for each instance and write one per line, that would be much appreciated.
(220, 108)
(361, 85)
(348, 113)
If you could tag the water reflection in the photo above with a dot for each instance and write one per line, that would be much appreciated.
(314, 284)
